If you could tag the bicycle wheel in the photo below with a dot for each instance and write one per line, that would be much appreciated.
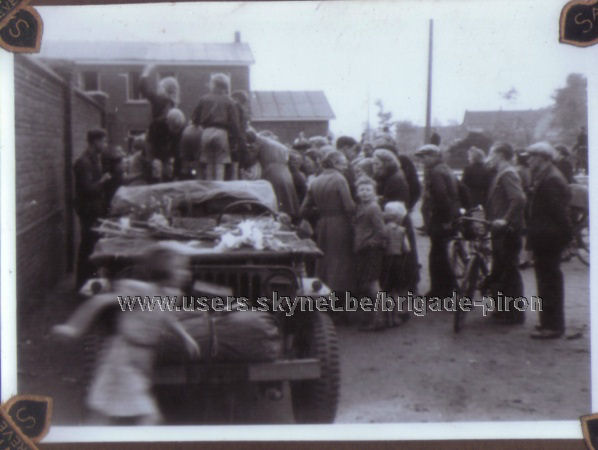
(468, 289)
(458, 258)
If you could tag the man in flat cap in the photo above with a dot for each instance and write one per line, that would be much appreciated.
(441, 205)
(549, 232)
(90, 198)
(505, 205)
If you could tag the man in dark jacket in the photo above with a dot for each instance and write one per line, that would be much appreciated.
(476, 177)
(90, 198)
(412, 180)
(441, 203)
(505, 210)
(549, 232)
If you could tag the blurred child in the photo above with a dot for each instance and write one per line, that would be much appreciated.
(121, 387)
(393, 273)
(369, 243)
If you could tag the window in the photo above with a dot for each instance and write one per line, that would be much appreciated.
(133, 90)
(91, 81)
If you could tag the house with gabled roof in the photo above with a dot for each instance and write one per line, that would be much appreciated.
(519, 127)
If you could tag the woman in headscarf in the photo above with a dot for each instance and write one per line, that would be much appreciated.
(312, 164)
(393, 187)
(329, 198)
(274, 158)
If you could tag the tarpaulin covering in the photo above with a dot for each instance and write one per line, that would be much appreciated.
(131, 248)
(231, 336)
(166, 197)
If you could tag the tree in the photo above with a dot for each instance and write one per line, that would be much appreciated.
(384, 117)
(571, 108)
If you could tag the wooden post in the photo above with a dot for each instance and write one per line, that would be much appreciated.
(429, 93)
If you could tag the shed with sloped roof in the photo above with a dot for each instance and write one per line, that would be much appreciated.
(287, 113)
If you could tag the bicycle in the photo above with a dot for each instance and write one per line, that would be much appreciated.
(469, 254)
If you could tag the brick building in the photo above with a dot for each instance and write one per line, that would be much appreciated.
(114, 68)
(51, 121)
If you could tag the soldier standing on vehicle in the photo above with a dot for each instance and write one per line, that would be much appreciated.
(217, 114)
(90, 200)
(441, 203)
(505, 208)
(549, 232)
(163, 96)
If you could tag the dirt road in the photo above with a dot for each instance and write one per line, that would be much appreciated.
(418, 372)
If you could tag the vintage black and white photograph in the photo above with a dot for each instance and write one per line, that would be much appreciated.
(303, 213)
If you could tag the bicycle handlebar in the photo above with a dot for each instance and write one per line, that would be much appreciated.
(472, 219)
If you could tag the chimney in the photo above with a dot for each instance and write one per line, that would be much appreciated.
(237, 37)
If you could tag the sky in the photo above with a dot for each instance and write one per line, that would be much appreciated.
(361, 51)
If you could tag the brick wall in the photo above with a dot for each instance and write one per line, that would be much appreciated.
(41, 137)
(86, 114)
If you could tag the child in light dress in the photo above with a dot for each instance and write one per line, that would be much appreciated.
(393, 272)
(121, 388)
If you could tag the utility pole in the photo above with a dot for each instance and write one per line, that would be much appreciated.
(429, 94)
(368, 109)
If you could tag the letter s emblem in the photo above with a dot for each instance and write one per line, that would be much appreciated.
(17, 28)
(587, 23)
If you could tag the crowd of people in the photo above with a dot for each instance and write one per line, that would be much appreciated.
(356, 196)
(356, 199)
(524, 193)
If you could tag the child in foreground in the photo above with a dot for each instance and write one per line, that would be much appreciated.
(121, 388)
(393, 278)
